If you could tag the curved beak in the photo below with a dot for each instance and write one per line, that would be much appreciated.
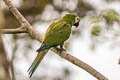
(76, 24)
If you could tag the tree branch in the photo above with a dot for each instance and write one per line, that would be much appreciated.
(80, 64)
(13, 31)
(4, 64)
(31, 31)
(35, 34)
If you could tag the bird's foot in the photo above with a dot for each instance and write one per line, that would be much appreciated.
(60, 49)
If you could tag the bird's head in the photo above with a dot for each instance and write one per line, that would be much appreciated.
(72, 19)
(77, 20)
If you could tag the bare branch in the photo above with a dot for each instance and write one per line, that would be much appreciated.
(16, 13)
(80, 64)
(119, 61)
(35, 34)
(31, 31)
(4, 64)
(12, 31)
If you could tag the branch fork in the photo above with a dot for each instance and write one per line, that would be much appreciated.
(27, 28)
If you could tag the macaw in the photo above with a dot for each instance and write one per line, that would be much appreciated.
(56, 34)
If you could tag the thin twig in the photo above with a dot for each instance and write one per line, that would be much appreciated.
(12, 71)
(12, 31)
(12, 62)
(4, 65)
(35, 34)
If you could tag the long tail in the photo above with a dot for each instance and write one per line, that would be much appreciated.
(42, 48)
(36, 62)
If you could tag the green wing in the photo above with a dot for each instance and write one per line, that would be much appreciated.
(50, 27)
(57, 33)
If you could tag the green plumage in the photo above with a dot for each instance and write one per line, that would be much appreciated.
(59, 31)
(56, 34)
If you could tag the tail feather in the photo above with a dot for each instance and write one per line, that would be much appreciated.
(36, 62)
(43, 48)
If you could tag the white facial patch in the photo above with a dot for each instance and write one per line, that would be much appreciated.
(77, 19)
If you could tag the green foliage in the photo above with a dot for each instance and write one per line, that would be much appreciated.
(94, 19)
(95, 30)
(110, 16)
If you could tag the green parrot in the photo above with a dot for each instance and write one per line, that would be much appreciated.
(56, 34)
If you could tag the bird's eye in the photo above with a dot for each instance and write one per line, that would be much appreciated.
(77, 19)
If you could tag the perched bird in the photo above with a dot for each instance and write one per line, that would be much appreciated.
(56, 34)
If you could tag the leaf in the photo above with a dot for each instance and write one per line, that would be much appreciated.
(94, 19)
(96, 30)
(110, 16)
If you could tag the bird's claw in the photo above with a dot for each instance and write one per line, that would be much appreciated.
(60, 49)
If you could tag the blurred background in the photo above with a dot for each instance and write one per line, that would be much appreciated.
(96, 41)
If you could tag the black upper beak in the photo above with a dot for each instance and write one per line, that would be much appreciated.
(76, 24)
